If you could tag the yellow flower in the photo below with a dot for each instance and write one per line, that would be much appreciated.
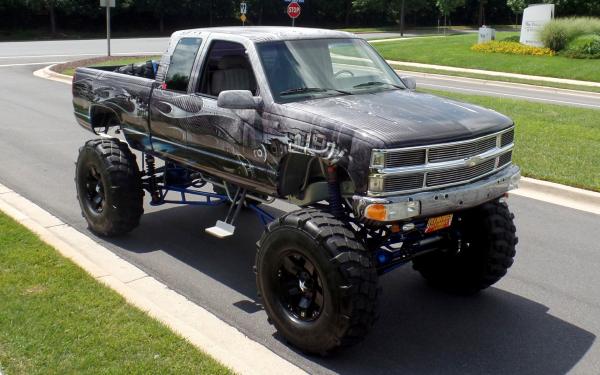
(513, 48)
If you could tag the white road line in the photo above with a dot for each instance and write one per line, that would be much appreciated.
(81, 54)
(28, 64)
(496, 93)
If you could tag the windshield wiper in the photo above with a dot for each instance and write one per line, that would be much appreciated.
(304, 90)
(377, 83)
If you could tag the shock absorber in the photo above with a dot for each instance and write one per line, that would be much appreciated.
(335, 193)
(151, 173)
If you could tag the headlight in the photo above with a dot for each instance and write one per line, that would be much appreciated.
(376, 184)
(377, 159)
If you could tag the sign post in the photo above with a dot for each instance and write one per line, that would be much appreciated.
(243, 12)
(108, 4)
(293, 11)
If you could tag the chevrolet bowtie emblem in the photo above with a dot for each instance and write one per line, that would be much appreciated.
(475, 160)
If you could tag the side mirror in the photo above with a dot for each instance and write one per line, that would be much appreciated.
(409, 82)
(238, 99)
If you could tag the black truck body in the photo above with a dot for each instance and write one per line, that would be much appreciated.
(384, 175)
(190, 128)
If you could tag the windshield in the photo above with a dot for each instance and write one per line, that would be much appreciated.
(307, 69)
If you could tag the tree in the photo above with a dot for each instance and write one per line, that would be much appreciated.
(48, 6)
(481, 12)
(517, 6)
(397, 9)
(446, 7)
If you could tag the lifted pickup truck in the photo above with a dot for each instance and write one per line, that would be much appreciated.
(383, 175)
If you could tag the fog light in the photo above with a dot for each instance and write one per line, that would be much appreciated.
(408, 227)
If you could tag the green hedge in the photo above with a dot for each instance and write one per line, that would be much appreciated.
(513, 38)
(558, 33)
(584, 47)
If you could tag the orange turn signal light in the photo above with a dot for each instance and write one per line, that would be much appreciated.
(376, 212)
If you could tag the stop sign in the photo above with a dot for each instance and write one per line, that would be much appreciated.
(293, 10)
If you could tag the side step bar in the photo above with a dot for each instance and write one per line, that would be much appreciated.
(226, 228)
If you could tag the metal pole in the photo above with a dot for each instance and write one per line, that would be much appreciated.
(108, 25)
(293, 22)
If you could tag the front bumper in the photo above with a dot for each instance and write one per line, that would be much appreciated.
(436, 202)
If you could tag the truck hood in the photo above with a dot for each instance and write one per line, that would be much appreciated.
(402, 118)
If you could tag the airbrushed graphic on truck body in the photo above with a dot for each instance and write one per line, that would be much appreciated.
(383, 175)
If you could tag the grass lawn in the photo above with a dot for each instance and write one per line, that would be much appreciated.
(455, 51)
(56, 319)
(114, 61)
(553, 143)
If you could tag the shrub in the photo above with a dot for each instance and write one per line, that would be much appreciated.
(584, 47)
(514, 38)
(511, 48)
(557, 33)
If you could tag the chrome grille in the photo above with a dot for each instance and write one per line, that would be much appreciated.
(404, 182)
(461, 151)
(505, 159)
(429, 167)
(508, 138)
(452, 176)
(405, 158)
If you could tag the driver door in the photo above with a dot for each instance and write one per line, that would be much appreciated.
(227, 141)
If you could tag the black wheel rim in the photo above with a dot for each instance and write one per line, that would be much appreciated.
(299, 287)
(94, 191)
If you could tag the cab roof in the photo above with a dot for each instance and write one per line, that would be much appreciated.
(258, 34)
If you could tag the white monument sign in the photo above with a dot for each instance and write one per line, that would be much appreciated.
(534, 19)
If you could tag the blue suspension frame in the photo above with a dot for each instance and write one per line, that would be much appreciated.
(211, 200)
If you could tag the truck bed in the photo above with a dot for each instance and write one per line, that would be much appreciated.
(103, 98)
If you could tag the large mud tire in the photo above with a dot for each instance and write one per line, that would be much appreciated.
(346, 274)
(487, 252)
(109, 187)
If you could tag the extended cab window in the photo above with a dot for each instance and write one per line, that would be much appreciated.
(181, 64)
(226, 68)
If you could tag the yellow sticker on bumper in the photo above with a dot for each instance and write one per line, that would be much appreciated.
(439, 222)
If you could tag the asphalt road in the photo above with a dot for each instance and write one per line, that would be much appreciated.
(15, 54)
(543, 318)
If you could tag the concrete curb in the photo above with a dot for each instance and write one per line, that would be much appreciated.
(503, 84)
(494, 74)
(200, 327)
(48, 73)
(579, 199)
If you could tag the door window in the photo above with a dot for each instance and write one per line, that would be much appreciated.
(226, 68)
(180, 67)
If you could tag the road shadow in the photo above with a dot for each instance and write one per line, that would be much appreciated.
(420, 330)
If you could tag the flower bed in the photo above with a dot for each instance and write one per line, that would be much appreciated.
(512, 48)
